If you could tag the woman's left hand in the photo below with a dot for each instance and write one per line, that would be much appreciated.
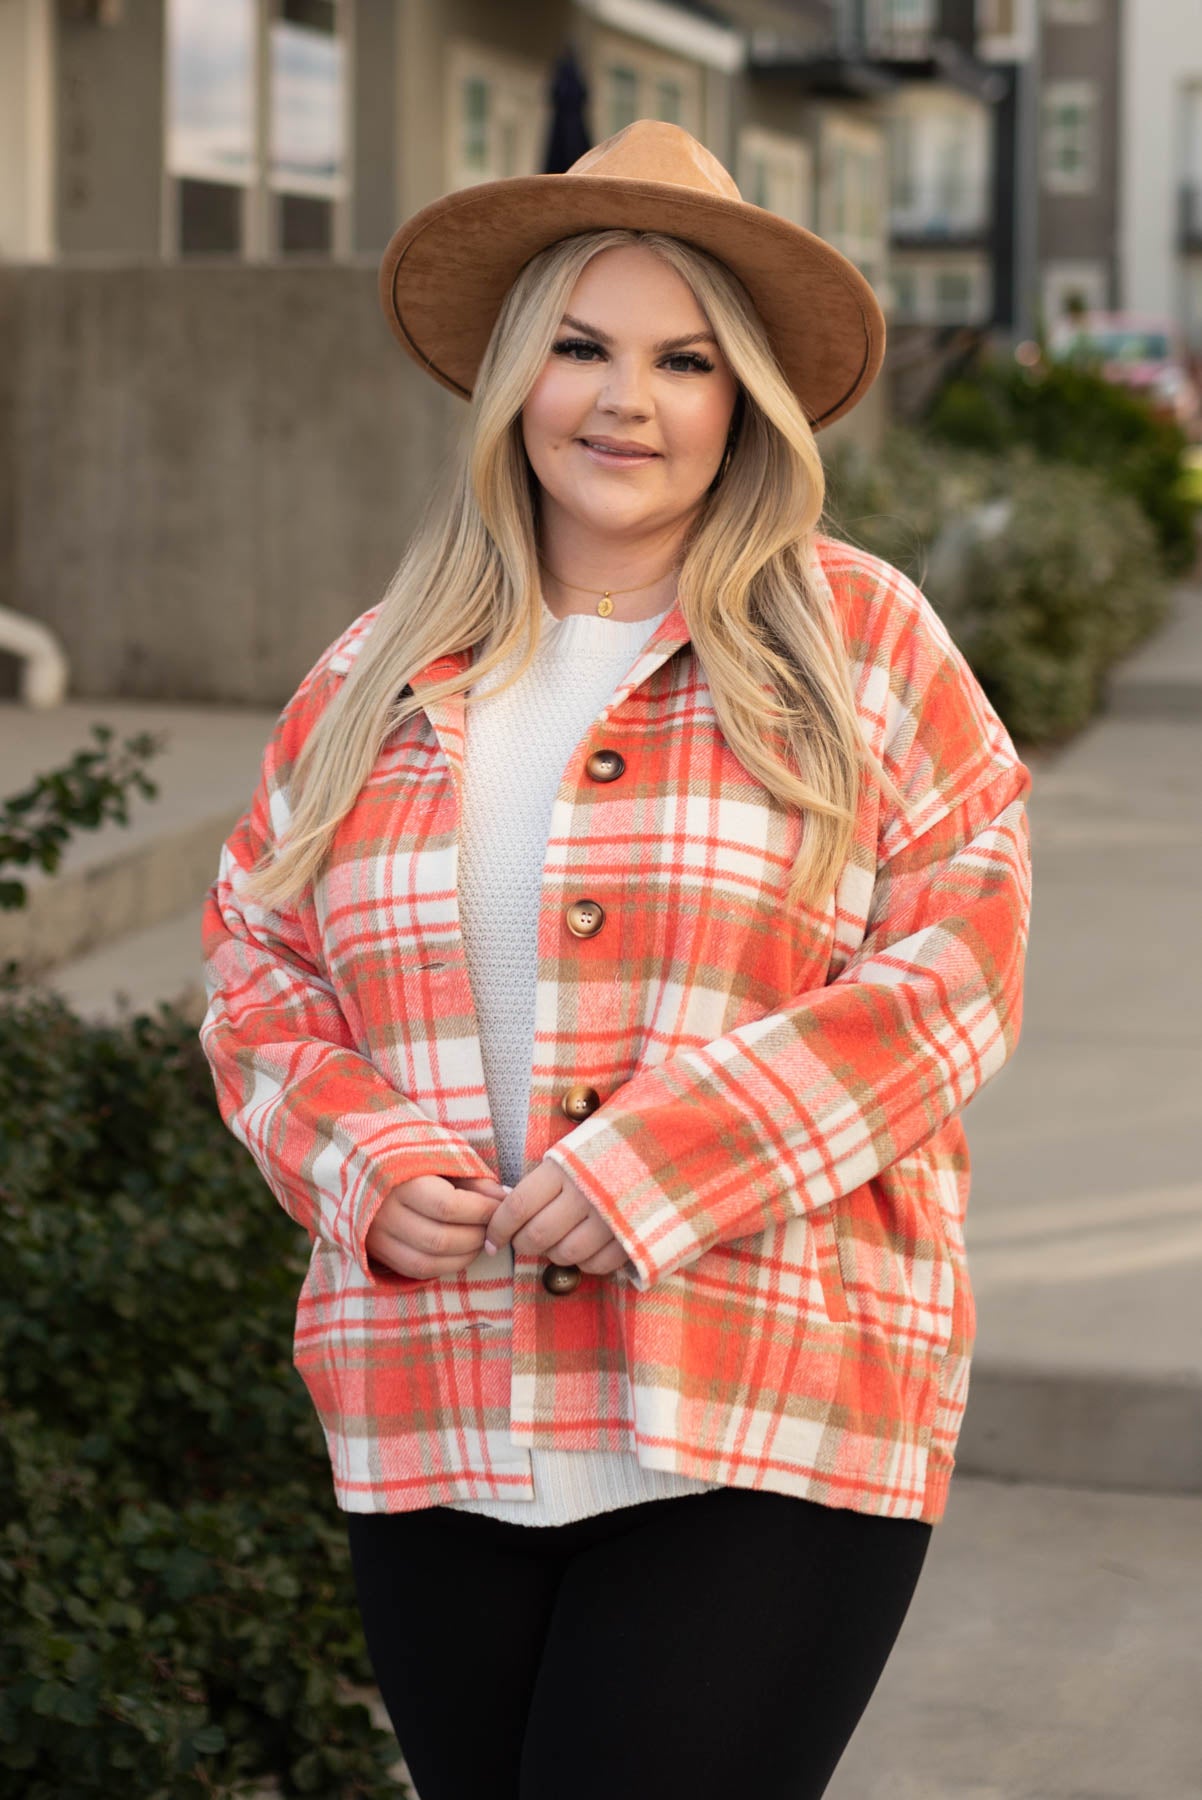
(547, 1215)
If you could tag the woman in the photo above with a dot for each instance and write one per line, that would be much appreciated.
(629, 905)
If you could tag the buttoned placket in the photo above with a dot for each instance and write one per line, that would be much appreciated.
(583, 917)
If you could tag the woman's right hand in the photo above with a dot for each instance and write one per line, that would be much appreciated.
(433, 1226)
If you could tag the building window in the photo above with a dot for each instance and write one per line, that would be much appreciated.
(1069, 129)
(497, 114)
(1191, 171)
(932, 293)
(940, 166)
(851, 194)
(997, 18)
(953, 296)
(903, 15)
(1071, 12)
(776, 171)
(904, 283)
(669, 101)
(903, 171)
(899, 28)
(475, 124)
(256, 163)
(637, 82)
(1007, 29)
(210, 217)
(623, 97)
(307, 113)
(954, 171)
(212, 76)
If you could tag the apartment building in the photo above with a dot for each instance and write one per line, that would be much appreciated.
(1080, 147)
(1160, 184)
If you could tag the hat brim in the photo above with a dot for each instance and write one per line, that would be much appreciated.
(446, 271)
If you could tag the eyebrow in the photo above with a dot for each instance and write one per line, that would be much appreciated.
(664, 345)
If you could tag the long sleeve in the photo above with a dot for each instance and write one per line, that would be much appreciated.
(329, 1133)
(790, 1111)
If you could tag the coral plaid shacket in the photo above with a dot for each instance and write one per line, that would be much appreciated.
(777, 1141)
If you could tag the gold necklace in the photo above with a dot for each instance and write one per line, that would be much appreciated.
(605, 604)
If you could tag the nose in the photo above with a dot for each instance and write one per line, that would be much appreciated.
(626, 392)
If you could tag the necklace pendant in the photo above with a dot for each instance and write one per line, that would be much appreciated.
(605, 605)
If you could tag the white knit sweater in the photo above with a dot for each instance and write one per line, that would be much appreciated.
(517, 746)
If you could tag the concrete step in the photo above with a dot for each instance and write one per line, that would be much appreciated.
(121, 879)
(137, 972)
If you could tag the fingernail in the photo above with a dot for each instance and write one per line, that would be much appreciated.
(491, 1248)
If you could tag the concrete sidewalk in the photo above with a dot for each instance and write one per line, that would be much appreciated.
(1085, 1221)
(1051, 1652)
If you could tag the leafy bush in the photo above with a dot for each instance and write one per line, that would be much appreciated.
(1066, 412)
(1045, 607)
(37, 823)
(1042, 598)
(178, 1609)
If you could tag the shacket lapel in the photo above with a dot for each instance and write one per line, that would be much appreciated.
(447, 716)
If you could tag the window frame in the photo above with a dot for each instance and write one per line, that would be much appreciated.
(923, 273)
(260, 195)
(1055, 180)
(841, 137)
(651, 68)
(519, 83)
(792, 157)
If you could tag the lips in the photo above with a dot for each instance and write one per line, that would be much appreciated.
(618, 452)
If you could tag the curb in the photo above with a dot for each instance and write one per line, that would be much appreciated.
(1103, 1431)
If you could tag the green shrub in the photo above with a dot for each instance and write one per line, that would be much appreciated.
(1066, 412)
(895, 502)
(1043, 608)
(178, 1609)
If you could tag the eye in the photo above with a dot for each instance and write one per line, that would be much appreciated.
(565, 346)
(690, 357)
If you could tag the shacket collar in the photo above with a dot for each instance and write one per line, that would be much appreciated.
(446, 715)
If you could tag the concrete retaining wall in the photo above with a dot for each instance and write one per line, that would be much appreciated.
(205, 471)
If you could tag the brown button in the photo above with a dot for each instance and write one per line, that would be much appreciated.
(561, 1278)
(605, 765)
(585, 918)
(579, 1101)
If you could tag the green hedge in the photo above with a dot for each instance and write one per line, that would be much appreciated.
(1043, 608)
(178, 1608)
(1067, 413)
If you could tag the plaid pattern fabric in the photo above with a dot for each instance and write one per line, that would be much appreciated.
(778, 1145)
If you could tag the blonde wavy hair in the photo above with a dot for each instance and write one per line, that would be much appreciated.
(772, 652)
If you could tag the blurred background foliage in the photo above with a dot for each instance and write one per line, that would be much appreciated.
(178, 1607)
(1044, 514)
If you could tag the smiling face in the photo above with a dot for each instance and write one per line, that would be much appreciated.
(635, 367)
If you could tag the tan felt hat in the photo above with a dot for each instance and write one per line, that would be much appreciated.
(447, 270)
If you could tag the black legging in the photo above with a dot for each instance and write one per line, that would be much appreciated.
(715, 1644)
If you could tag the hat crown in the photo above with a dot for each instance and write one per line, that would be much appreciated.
(653, 150)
